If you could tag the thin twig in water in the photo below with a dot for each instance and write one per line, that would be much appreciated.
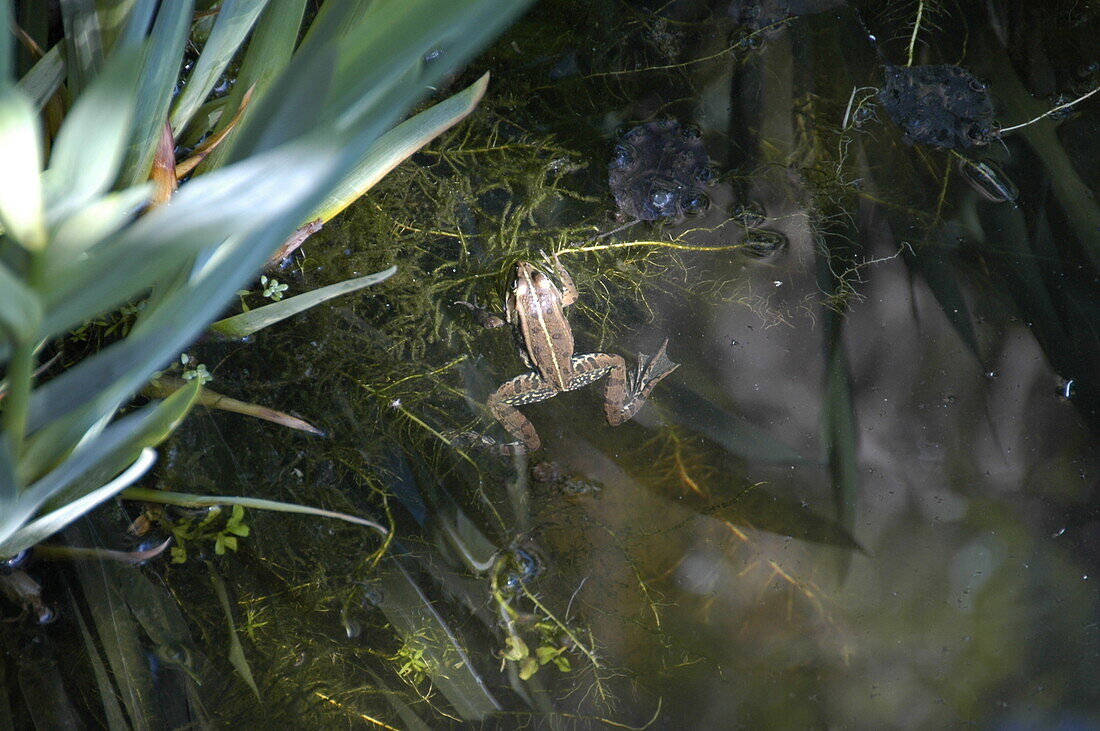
(1056, 109)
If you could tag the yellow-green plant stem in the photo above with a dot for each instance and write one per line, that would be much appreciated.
(21, 372)
(916, 29)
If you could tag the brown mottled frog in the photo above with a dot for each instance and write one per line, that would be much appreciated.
(535, 307)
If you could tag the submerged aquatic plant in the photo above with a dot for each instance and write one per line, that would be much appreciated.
(79, 241)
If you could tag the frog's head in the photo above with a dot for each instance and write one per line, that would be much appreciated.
(527, 277)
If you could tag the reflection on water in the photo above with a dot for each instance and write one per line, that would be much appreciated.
(867, 497)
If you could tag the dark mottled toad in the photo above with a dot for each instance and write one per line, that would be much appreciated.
(657, 171)
(943, 106)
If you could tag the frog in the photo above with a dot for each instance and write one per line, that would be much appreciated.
(535, 308)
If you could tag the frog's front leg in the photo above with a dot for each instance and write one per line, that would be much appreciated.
(528, 388)
(482, 315)
(569, 291)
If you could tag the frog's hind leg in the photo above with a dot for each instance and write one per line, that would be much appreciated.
(625, 393)
(591, 367)
(649, 373)
(528, 388)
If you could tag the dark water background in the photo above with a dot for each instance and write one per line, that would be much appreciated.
(867, 498)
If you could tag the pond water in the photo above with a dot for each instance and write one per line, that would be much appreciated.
(866, 498)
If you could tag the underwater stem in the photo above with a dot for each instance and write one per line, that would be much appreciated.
(916, 29)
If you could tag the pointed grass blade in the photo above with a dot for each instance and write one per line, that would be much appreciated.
(91, 224)
(234, 21)
(126, 23)
(84, 47)
(89, 148)
(160, 63)
(235, 653)
(211, 143)
(119, 636)
(7, 46)
(398, 144)
(252, 195)
(76, 486)
(255, 320)
(190, 500)
(42, 528)
(112, 710)
(20, 309)
(165, 386)
(413, 614)
(9, 484)
(44, 78)
(269, 51)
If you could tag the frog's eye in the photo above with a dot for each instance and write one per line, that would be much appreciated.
(763, 244)
(979, 134)
(748, 214)
(690, 132)
(706, 175)
(694, 203)
(663, 201)
(622, 157)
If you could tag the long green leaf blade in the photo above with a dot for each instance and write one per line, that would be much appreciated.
(94, 222)
(235, 655)
(129, 20)
(236, 200)
(75, 486)
(252, 321)
(20, 308)
(9, 483)
(256, 197)
(89, 148)
(398, 144)
(85, 47)
(45, 77)
(7, 46)
(235, 20)
(160, 66)
(190, 500)
(268, 53)
(20, 185)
